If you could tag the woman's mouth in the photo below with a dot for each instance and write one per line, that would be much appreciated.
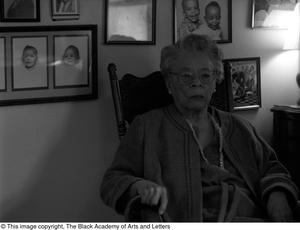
(197, 97)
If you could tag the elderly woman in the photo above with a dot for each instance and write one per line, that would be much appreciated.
(195, 162)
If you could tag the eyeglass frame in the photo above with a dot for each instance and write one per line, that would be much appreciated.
(188, 81)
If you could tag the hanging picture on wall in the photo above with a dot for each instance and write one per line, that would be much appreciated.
(208, 17)
(65, 9)
(71, 58)
(20, 10)
(244, 77)
(29, 63)
(130, 22)
(2, 65)
(276, 14)
(48, 64)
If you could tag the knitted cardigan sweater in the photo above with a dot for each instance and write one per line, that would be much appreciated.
(160, 147)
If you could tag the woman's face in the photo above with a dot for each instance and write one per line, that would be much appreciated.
(29, 58)
(194, 94)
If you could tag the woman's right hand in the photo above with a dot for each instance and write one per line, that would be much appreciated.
(151, 194)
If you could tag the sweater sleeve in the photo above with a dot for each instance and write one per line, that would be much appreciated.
(126, 168)
(274, 176)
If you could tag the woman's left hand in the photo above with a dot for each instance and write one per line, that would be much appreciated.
(278, 207)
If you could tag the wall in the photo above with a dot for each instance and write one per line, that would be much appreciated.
(53, 156)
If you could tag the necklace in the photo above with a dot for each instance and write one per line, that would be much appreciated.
(220, 139)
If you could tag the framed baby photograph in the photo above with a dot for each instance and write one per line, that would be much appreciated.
(130, 22)
(2, 65)
(48, 64)
(65, 9)
(207, 17)
(20, 10)
(71, 55)
(273, 14)
(29, 63)
(244, 77)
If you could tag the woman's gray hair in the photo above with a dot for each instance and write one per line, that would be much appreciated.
(193, 43)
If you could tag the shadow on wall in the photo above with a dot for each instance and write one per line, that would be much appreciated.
(67, 177)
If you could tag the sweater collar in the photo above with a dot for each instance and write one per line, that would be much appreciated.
(219, 116)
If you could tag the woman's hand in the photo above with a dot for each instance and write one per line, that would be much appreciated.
(151, 194)
(278, 207)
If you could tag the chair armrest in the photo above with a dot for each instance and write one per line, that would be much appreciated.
(135, 211)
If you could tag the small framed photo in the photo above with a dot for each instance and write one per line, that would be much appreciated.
(244, 79)
(273, 14)
(71, 55)
(48, 64)
(208, 17)
(65, 9)
(130, 22)
(20, 10)
(3, 86)
(29, 63)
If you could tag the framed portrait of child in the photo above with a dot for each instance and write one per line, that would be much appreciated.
(20, 10)
(208, 17)
(29, 63)
(71, 57)
(40, 64)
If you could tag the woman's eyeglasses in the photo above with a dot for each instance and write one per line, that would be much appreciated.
(187, 78)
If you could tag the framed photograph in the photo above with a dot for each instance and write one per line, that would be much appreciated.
(29, 63)
(274, 14)
(20, 10)
(48, 64)
(2, 64)
(243, 75)
(209, 17)
(130, 22)
(71, 56)
(65, 9)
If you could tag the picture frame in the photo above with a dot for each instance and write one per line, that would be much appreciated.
(20, 10)
(187, 21)
(77, 76)
(3, 81)
(29, 62)
(65, 9)
(273, 14)
(48, 64)
(243, 80)
(130, 22)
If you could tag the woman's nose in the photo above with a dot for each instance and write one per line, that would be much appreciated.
(196, 82)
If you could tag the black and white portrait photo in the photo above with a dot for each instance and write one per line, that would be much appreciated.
(29, 63)
(207, 17)
(71, 60)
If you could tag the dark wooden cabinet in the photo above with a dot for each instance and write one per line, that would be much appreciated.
(286, 139)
